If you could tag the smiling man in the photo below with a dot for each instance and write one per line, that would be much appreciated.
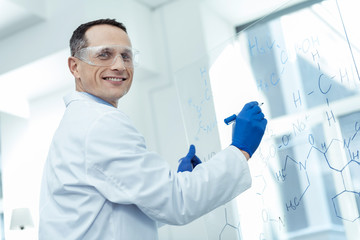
(100, 181)
(105, 67)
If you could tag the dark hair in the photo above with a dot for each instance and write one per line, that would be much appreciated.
(78, 39)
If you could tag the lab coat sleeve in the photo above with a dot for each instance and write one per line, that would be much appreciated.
(119, 166)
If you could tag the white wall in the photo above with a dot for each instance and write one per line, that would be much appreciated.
(24, 144)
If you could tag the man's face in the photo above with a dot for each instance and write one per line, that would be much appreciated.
(109, 83)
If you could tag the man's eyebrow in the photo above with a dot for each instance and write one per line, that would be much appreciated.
(105, 49)
(127, 50)
(111, 49)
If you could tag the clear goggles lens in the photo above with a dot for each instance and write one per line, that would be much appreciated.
(107, 55)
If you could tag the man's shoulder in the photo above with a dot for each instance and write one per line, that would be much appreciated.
(85, 104)
(93, 110)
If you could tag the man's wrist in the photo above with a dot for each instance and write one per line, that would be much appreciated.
(246, 154)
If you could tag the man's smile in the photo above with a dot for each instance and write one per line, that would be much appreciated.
(115, 79)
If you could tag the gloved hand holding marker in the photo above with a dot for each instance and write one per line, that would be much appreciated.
(232, 118)
(249, 127)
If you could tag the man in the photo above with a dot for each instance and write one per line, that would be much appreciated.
(100, 181)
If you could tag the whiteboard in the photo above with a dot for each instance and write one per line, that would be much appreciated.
(304, 66)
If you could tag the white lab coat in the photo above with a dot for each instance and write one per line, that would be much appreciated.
(100, 181)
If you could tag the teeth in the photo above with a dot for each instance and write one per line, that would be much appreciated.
(115, 79)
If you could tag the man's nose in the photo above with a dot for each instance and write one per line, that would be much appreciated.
(118, 63)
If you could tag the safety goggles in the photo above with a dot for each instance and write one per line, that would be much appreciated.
(105, 56)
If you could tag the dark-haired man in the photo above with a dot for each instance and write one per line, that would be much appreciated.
(100, 181)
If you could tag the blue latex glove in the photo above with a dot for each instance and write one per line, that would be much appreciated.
(189, 162)
(249, 128)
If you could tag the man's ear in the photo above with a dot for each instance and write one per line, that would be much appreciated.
(73, 66)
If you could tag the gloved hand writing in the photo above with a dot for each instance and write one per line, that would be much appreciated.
(189, 162)
(249, 128)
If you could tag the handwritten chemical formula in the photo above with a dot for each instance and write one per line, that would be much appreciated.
(304, 158)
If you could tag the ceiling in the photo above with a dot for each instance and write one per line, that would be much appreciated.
(154, 3)
(15, 17)
(237, 12)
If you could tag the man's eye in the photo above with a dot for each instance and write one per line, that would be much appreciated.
(126, 57)
(104, 55)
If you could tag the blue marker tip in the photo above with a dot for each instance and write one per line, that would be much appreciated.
(230, 119)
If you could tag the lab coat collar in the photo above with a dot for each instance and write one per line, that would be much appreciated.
(75, 96)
